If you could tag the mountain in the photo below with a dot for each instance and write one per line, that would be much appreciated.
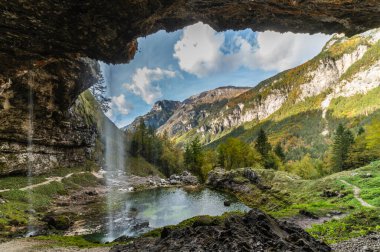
(300, 106)
(187, 112)
(157, 116)
(198, 108)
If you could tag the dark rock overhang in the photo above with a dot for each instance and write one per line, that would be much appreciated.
(107, 30)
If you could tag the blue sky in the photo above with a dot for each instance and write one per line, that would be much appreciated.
(179, 64)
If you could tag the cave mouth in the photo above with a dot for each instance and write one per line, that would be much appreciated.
(176, 65)
(73, 154)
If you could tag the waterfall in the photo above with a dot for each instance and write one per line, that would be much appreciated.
(29, 150)
(114, 166)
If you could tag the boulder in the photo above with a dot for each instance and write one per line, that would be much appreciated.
(59, 222)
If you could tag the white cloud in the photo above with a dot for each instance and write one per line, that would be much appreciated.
(118, 106)
(121, 105)
(143, 85)
(198, 50)
(202, 51)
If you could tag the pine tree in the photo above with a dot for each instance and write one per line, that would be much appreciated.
(343, 139)
(262, 145)
(279, 151)
(98, 91)
(194, 157)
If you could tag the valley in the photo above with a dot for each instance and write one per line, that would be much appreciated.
(153, 126)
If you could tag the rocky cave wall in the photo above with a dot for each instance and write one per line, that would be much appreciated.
(46, 47)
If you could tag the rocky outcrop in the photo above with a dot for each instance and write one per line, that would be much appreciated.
(196, 109)
(157, 116)
(237, 180)
(108, 30)
(255, 231)
(135, 183)
(39, 126)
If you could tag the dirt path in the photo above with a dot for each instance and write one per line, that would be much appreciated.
(48, 181)
(357, 194)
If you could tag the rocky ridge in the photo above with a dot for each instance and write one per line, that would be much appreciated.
(198, 108)
(254, 231)
(338, 71)
(157, 116)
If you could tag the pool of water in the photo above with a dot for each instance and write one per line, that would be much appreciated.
(149, 209)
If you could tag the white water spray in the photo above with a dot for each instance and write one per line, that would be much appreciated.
(114, 157)
(29, 150)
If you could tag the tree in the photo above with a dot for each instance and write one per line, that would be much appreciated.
(158, 150)
(99, 90)
(235, 153)
(343, 139)
(279, 151)
(262, 145)
(194, 157)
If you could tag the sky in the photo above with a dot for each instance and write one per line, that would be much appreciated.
(179, 64)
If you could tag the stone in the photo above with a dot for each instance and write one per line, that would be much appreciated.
(174, 182)
(308, 214)
(251, 175)
(227, 203)
(59, 222)
(255, 231)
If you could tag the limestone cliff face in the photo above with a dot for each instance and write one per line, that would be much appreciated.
(341, 69)
(159, 114)
(198, 108)
(38, 122)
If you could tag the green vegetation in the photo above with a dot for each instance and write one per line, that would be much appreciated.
(371, 56)
(200, 220)
(235, 153)
(15, 210)
(343, 139)
(356, 224)
(80, 241)
(158, 150)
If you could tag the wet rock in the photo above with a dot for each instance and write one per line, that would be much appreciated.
(59, 222)
(255, 231)
(227, 203)
(140, 225)
(123, 239)
(308, 214)
(174, 182)
(92, 193)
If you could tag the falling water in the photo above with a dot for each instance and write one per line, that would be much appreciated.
(30, 153)
(114, 167)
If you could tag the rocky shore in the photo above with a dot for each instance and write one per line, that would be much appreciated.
(135, 183)
(255, 231)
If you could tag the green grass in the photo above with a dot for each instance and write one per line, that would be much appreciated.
(289, 194)
(370, 187)
(41, 199)
(194, 221)
(54, 241)
(356, 224)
